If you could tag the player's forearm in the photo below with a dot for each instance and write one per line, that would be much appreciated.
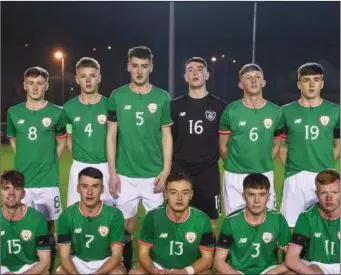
(68, 266)
(283, 154)
(61, 142)
(295, 264)
(275, 148)
(337, 149)
(280, 269)
(13, 144)
(167, 149)
(109, 265)
(111, 150)
(69, 143)
(224, 268)
(147, 263)
(40, 267)
(202, 264)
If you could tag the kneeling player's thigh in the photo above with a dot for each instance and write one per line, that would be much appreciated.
(28, 198)
(4, 269)
(325, 268)
(232, 191)
(129, 196)
(138, 271)
(206, 195)
(272, 201)
(46, 200)
(87, 267)
(150, 199)
(72, 194)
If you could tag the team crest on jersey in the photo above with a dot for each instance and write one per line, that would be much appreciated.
(103, 230)
(267, 237)
(338, 234)
(324, 120)
(267, 123)
(191, 237)
(46, 121)
(152, 107)
(26, 235)
(210, 115)
(101, 119)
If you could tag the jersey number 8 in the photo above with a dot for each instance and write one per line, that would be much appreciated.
(32, 133)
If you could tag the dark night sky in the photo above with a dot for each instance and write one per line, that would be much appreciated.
(288, 34)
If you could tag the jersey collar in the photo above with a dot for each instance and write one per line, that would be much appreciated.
(94, 215)
(254, 107)
(142, 93)
(172, 218)
(324, 216)
(307, 106)
(253, 224)
(43, 105)
(95, 102)
(18, 218)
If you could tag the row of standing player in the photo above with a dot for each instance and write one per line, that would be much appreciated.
(175, 238)
(139, 154)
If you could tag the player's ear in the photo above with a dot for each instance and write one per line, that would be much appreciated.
(47, 86)
(264, 83)
(151, 67)
(99, 78)
(240, 85)
(24, 85)
(207, 76)
(322, 84)
(165, 195)
(78, 188)
(128, 67)
(23, 194)
(243, 194)
(299, 84)
(191, 195)
(77, 79)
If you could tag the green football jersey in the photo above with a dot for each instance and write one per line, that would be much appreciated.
(35, 132)
(91, 238)
(310, 136)
(89, 129)
(140, 118)
(252, 131)
(21, 239)
(319, 237)
(176, 244)
(252, 248)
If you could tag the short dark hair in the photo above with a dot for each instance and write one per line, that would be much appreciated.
(256, 181)
(141, 52)
(88, 62)
(178, 176)
(197, 59)
(35, 72)
(327, 176)
(250, 68)
(311, 68)
(14, 177)
(91, 172)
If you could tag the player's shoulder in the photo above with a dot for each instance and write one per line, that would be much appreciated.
(17, 107)
(34, 215)
(158, 210)
(179, 99)
(71, 210)
(290, 105)
(238, 214)
(54, 107)
(235, 104)
(274, 214)
(160, 92)
(198, 213)
(311, 211)
(120, 90)
(71, 101)
(111, 210)
(272, 105)
(216, 99)
(331, 105)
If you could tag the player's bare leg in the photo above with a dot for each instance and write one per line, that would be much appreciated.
(119, 270)
(137, 271)
(128, 248)
(60, 270)
(214, 227)
(51, 228)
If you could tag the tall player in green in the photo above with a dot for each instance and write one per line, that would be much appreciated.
(38, 136)
(250, 131)
(250, 237)
(312, 127)
(25, 243)
(87, 115)
(316, 237)
(90, 233)
(176, 238)
(139, 141)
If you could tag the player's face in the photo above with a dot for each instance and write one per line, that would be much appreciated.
(310, 85)
(139, 70)
(179, 194)
(88, 79)
(256, 200)
(35, 87)
(196, 74)
(90, 190)
(252, 83)
(11, 196)
(329, 196)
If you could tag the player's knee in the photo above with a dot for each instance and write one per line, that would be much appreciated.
(206, 272)
(137, 271)
(119, 270)
(130, 224)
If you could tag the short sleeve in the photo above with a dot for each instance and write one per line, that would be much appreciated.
(337, 125)
(174, 119)
(279, 128)
(64, 229)
(225, 238)
(224, 125)
(69, 129)
(42, 236)
(284, 232)
(111, 114)
(117, 229)
(61, 125)
(301, 232)
(11, 130)
(207, 241)
(166, 119)
(147, 231)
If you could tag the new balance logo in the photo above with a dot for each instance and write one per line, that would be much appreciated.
(243, 240)
(77, 119)
(78, 230)
(127, 107)
(163, 235)
(2, 232)
(317, 235)
(21, 121)
(242, 123)
(182, 114)
(298, 121)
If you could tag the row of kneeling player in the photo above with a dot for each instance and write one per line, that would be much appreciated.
(175, 238)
